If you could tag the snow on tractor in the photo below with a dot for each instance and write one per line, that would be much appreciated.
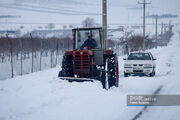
(90, 60)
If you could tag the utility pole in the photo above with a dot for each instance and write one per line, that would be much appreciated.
(156, 31)
(144, 22)
(104, 18)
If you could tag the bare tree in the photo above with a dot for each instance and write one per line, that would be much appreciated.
(88, 22)
(51, 26)
(64, 26)
(70, 26)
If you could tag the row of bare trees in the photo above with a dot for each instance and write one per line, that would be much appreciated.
(14, 49)
(134, 42)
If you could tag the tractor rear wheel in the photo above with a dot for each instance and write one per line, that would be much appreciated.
(109, 75)
(113, 76)
(103, 79)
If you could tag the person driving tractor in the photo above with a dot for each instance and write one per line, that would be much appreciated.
(90, 43)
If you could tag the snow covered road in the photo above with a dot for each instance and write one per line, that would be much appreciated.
(42, 96)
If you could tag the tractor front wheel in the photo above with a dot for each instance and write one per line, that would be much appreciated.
(67, 67)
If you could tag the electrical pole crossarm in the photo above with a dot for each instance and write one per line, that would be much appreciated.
(144, 2)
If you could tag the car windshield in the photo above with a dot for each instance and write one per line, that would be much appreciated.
(82, 36)
(139, 56)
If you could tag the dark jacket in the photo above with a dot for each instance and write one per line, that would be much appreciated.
(89, 42)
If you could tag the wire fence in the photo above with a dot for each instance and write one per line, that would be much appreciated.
(19, 56)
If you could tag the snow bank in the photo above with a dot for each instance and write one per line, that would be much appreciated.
(42, 96)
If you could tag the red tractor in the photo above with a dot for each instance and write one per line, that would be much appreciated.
(90, 62)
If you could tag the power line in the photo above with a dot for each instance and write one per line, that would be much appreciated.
(48, 10)
(56, 9)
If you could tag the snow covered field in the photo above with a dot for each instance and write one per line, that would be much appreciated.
(42, 96)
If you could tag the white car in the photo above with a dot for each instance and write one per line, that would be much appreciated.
(139, 63)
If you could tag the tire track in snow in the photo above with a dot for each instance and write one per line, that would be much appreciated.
(140, 113)
(169, 65)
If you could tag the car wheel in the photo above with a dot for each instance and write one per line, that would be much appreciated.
(152, 74)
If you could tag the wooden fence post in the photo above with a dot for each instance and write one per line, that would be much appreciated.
(2, 51)
(21, 47)
(57, 46)
(50, 50)
(11, 54)
(32, 69)
(40, 54)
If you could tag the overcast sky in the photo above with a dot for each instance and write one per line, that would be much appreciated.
(74, 11)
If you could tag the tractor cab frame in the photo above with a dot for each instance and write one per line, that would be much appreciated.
(81, 34)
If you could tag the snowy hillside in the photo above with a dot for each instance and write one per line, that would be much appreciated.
(43, 96)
